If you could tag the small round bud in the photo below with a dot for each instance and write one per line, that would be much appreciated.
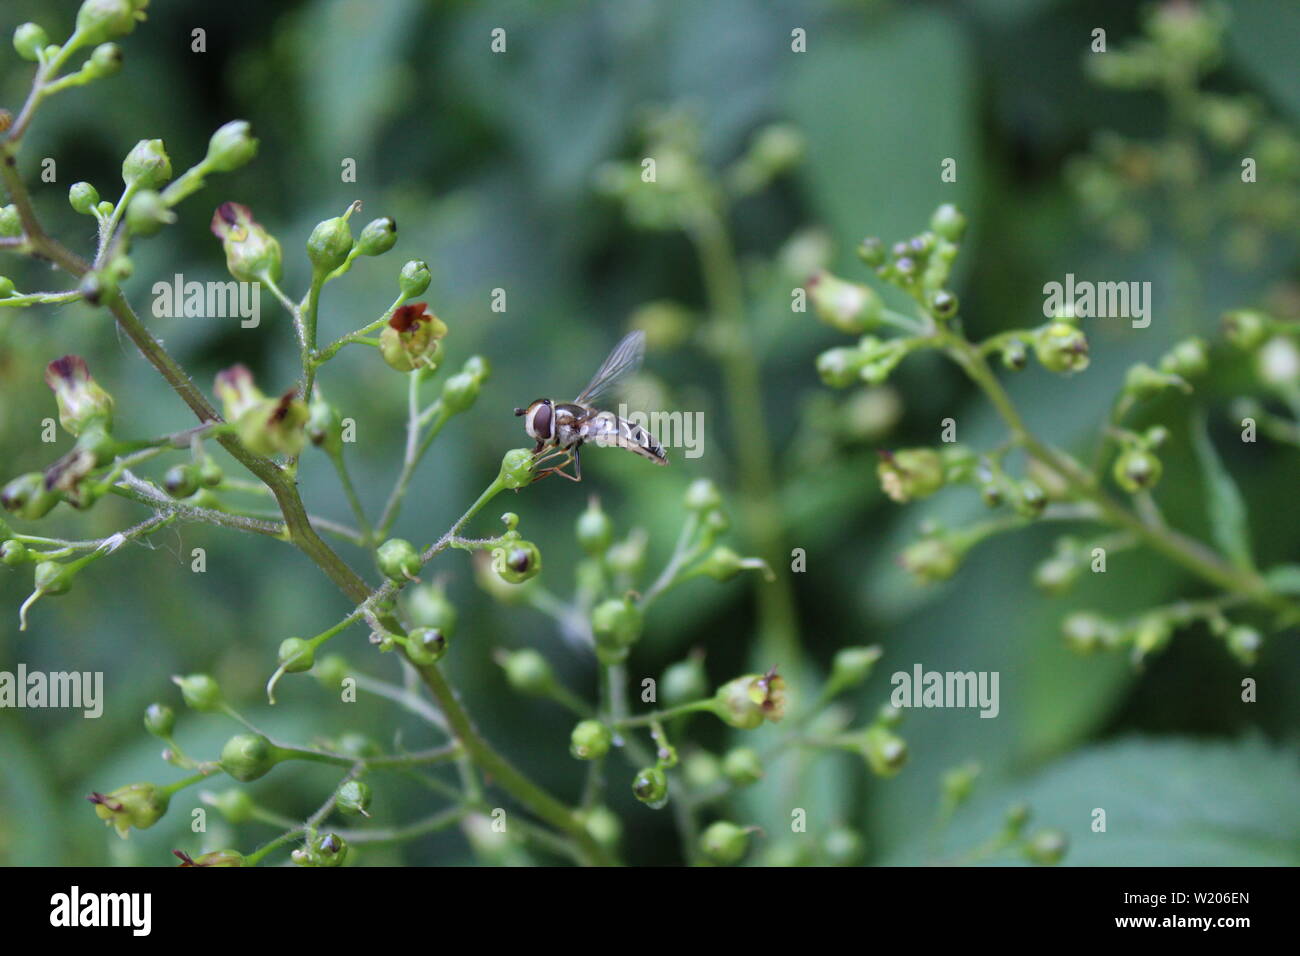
(590, 740)
(872, 251)
(427, 606)
(843, 305)
(53, 577)
(181, 481)
(200, 692)
(413, 279)
(377, 237)
(329, 244)
(327, 849)
(943, 304)
(911, 473)
(724, 843)
(398, 560)
(1136, 470)
(844, 846)
(354, 797)
(27, 497)
(29, 40)
(147, 166)
(6, 287)
(884, 751)
(1047, 847)
(460, 391)
(852, 666)
(426, 645)
(1014, 355)
(159, 720)
(616, 624)
(684, 681)
(332, 670)
(1246, 328)
(83, 197)
(1190, 358)
(517, 561)
(650, 786)
(100, 20)
(1056, 574)
(528, 672)
(230, 147)
(106, 60)
(148, 213)
(702, 495)
(11, 224)
(628, 556)
(296, 655)
(247, 757)
(747, 701)
(603, 824)
(931, 560)
(1244, 643)
(595, 530)
(1085, 632)
(235, 805)
(13, 553)
(742, 766)
(1061, 348)
(948, 222)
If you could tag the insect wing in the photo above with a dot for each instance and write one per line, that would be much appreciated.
(625, 359)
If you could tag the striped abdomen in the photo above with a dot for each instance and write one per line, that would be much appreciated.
(607, 429)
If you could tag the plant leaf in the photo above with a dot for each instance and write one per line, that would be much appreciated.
(1229, 525)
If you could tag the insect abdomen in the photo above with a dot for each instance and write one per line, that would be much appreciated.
(608, 429)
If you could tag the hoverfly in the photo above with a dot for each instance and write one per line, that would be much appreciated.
(562, 428)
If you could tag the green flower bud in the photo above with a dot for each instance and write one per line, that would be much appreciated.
(247, 757)
(742, 766)
(106, 60)
(702, 495)
(617, 624)
(1152, 635)
(517, 468)
(398, 560)
(27, 497)
(851, 667)
(722, 564)
(83, 197)
(684, 681)
(147, 166)
(413, 279)
(590, 740)
(1030, 499)
(426, 645)
(910, 473)
(595, 530)
(200, 691)
(412, 338)
(528, 672)
(747, 701)
(724, 843)
(1056, 574)
(459, 392)
(6, 287)
(29, 40)
(948, 222)
(844, 305)
(844, 846)
(329, 243)
(427, 606)
(11, 224)
(1136, 469)
(378, 237)
(354, 797)
(943, 304)
(230, 147)
(517, 561)
(13, 553)
(214, 858)
(181, 481)
(80, 399)
(296, 655)
(1278, 363)
(275, 426)
(884, 751)
(328, 849)
(235, 805)
(138, 805)
(252, 254)
(100, 20)
(627, 557)
(53, 578)
(97, 286)
(1061, 348)
(1085, 632)
(604, 826)
(650, 786)
(1014, 355)
(324, 426)
(958, 784)
(148, 213)
(841, 367)
(1142, 381)
(1047, 847)
(159, 720)
(1247, 328)
(1190, 358)
(332, 670)
(1244, 643)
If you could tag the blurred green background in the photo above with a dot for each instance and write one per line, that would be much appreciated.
(487, 163)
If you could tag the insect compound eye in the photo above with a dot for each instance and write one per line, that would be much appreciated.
(542, 421)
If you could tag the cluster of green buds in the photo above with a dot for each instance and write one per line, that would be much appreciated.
(267, 426)
(883, 750)
(1151, 631)
(922, 264)
(670, 187)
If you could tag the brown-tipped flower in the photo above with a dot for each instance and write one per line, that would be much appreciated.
(238, 393)
(81, 399)
(252, 253)
(267, 426)
(138, 805)
(748, 701)
(410, 340)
